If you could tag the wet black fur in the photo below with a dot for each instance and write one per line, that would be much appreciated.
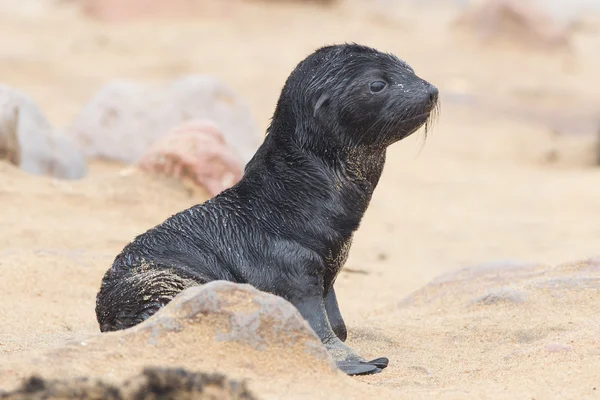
(286, 227)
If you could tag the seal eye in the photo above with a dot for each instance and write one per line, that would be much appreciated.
(377, 86)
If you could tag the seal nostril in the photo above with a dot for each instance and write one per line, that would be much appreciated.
(433, 94)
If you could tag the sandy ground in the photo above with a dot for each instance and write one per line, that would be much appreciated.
(477, 191)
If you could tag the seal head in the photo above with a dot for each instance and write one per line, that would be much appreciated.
(351, 96)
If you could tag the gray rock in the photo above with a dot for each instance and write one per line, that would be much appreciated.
(124, 118)
(252, 317)
(501, 295)
(481, 283)
(508, 282)
(28, 140)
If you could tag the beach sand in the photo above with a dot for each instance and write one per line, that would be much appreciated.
(480, 190)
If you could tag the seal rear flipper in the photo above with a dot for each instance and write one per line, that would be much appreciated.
(129, 297)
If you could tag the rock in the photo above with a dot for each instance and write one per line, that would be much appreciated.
(505, 282)
(124, 118)
(478, 284)
(9, 141)
(68, 161)
(28, 140)
(118, 10)
(251, 317)
(501, 295)
(195, 152)
(28, 8)
(320, 2)
(517, 22)
(152, 383)
(219, 326)
(557, 347)
(564, 149)
(557, 324)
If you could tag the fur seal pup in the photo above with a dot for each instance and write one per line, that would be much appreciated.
(287, 225)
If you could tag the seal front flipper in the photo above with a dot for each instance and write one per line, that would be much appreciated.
(314, 312)
(357, 368)
(335, 316)
(353, 364)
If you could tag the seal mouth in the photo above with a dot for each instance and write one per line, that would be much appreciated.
(423, 120)
(416, 117)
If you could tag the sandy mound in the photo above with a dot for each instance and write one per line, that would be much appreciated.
(496, 328)
(466, 332)
(219, 326)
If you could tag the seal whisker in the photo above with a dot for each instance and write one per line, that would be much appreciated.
(434, 115)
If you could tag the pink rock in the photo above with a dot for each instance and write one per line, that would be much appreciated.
(122, 10)
(558, 347)
(195, 151)
(519, 22)
(118, 10)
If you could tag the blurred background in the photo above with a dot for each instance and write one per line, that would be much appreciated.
(116, 114)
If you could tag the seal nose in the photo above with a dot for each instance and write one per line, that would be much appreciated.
(433, 94)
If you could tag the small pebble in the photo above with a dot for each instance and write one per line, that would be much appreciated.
(558, 347)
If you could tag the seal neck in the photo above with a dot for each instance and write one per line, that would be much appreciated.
(333, 186)
(359, 167)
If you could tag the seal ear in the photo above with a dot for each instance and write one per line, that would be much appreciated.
(323, 99)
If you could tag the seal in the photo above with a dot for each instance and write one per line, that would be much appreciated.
(286, 227)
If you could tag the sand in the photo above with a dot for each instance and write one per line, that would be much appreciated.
(479, 190)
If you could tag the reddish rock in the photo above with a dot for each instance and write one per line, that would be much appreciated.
(122, 10)
(118, 10)
(558, 347)
(195, 152)
(518, 22)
